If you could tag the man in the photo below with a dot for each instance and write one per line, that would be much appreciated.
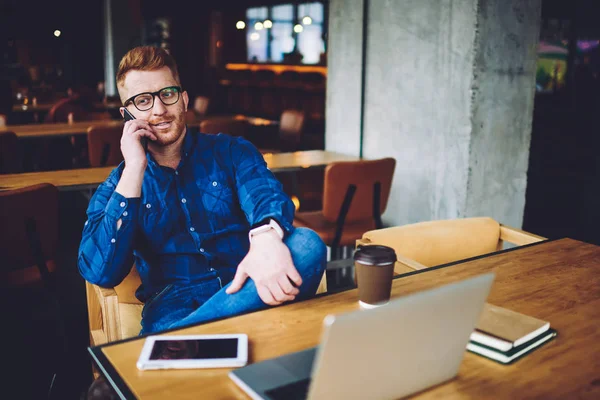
(198, 214)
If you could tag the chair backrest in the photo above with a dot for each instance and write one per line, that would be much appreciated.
(2, 120)
(104, 145)
(201, 104)
(26, 211)
(60, 111)
(291, 124)
(363, 175)
(439, 242)
(10, 160)
(229, 126)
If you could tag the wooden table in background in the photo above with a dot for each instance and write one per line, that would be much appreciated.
(44, 107)
(90, 178)
(55, 129)
(558, 281)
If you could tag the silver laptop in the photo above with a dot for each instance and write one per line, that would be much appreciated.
(410, 344)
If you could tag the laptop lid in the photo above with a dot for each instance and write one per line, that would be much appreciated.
(408, 345)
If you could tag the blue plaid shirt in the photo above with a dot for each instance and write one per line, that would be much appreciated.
(187, 221)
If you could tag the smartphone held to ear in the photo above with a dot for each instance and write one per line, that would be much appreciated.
(194, 351)
(127, 116)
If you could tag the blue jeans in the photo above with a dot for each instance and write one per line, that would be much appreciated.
(177, 306)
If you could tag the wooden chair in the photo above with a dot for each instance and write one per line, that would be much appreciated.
(29, 247)
(229, 126)
(355, 194)
(431, 243)
(104, 145)
(289, 136)
(201, 104)
(10, 159)
(291, 125)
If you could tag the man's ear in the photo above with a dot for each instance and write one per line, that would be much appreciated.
(186, 99)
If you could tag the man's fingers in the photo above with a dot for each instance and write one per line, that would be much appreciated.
(278, 293)
(146, 133)
(237, 282)
(294, 276)
(286, 286)
(265, 295)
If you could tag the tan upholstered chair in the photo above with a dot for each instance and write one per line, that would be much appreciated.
(431, 243)
(116, 313)
(355, 194)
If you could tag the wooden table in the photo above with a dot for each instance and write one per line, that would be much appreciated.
(558, 281)
(54, 129)
(90, 178)
(45, 107)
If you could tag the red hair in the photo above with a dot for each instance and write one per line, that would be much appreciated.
(146, 58)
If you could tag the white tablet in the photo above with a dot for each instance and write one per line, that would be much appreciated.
(194, 351)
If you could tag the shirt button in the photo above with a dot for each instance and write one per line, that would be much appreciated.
(148, 205)
(192, 229)
(86, 223)
(112, 240)
(122, 204)
(214, 183)
(176, 172)
(125, 213)
(183, 200)
(201, 249)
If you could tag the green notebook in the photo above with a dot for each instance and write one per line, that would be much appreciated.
(508, 357)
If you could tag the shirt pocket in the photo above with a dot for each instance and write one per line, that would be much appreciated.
(218, 200)
(155, 222)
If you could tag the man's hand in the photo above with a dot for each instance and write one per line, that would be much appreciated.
(269, 264)
(131, 146)
(130, 184)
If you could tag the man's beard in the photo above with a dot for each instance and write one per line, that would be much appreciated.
(170, 136)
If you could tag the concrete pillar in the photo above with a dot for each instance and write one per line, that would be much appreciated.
(122, 32)
(449, 89)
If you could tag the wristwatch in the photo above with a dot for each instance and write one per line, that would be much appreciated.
(264, 227)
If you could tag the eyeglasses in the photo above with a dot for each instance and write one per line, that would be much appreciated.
(145, 101)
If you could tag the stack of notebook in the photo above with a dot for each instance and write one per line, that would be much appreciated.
(505, 336)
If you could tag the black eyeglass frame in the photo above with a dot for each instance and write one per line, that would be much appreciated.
(154, 95)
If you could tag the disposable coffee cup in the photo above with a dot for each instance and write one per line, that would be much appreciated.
(374, 272)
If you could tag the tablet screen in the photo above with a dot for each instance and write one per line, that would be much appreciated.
(194, 349)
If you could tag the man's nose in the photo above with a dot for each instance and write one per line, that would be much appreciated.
(158, 108)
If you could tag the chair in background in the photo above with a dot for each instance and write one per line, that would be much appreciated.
(104, 145)
(226, 125)
(355, 194)
(291, 125)
(431, 243)
(201, 104)
(10, 159)
(29, 247)
(289, 136)
(3, 120)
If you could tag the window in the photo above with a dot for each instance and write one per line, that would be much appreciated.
(277, 31)
(255, 37)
